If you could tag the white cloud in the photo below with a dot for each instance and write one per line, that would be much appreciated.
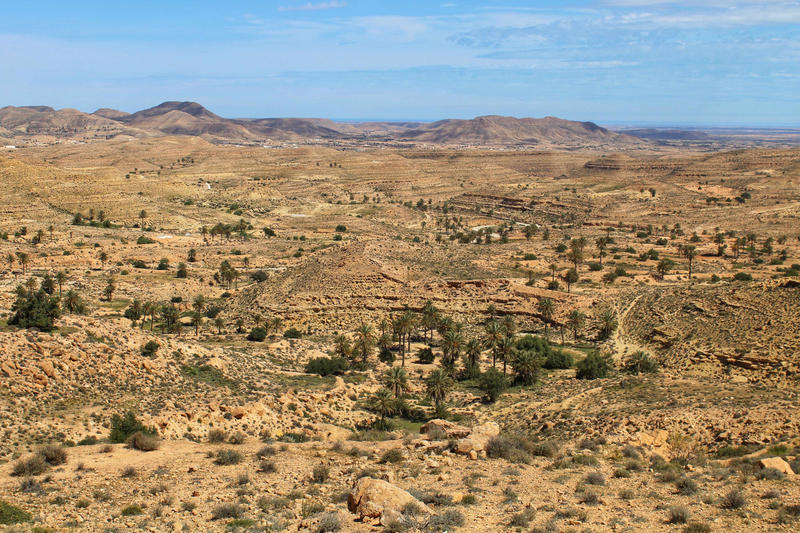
(309, 6)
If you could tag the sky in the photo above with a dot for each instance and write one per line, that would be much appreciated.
(656, 62)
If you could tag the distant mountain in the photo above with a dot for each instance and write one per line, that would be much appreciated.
(113, 114)
(498, 130)
(43, 120)
(191, 118)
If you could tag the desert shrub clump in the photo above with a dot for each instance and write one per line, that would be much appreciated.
(257, 334)
(145, 442)
(326, 366)
(593, 366)
(640, 363)
(123, 427)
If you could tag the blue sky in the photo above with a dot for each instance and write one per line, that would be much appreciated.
(611, 61)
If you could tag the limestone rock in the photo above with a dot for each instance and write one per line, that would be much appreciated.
(372, 497)
(446, 428)
(778, 464)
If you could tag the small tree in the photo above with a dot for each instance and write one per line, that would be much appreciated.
(593, 366)
(111, 286)
(571, 277)
(493, 383)
(34, 309)
(383, 403)
(219, 323)
(437, 386)
(396, 380)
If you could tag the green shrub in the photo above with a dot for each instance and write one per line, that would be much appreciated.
(131, 510)
(144, 240)
(150, 348)
(292, 333)
(492, 383)
(326, 366)
(228, 457)
(558, 359)
(341, 228)
(425, 355)
(257, 334)
(593, 366)
(35, 310)
(122, 427)
(11, 514)
(743, 276)
(640, 363)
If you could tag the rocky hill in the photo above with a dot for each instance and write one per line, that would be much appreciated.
(497, 130)
(191, 118)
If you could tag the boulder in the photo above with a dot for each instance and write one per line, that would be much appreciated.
(778, 464)
(478, 439)
(449, 430)
(370, 498)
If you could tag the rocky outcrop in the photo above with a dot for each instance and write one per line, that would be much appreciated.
(478, 439)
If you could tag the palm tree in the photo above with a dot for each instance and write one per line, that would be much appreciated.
(553, 269)
(690, 252)
(576, 320)
(383, 403)
(509, 326)
(72, 301)
(277, 322)
(142, 216)
(61, 278)
(472, 352)
(219, 323)
(608, 323)
(451, 347)
(103, 258)
(546, 309)
(199, 303)
(601, 243)
(505, 348)
(197, 321)
(430, 317)
(50, 230)
(365, 342)
(341, 346)
(23, 259)
(10, 260)
(396, 380)
(494, 333)
(437, 386)
(110, 288)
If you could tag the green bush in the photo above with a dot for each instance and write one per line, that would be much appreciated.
(326, 366)
(492, 383)
(292, 333)
(425, 356)
(385, 355)
(743, 276)
(341, 228)
(145, 240)
(150, 349)
(640, 363)
(35, 310)
(257, 334)
(558, 359)
(593, 366)
(11, 514)
(131, 510)
(122, 427)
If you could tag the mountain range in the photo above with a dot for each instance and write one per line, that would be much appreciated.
(191, 118)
